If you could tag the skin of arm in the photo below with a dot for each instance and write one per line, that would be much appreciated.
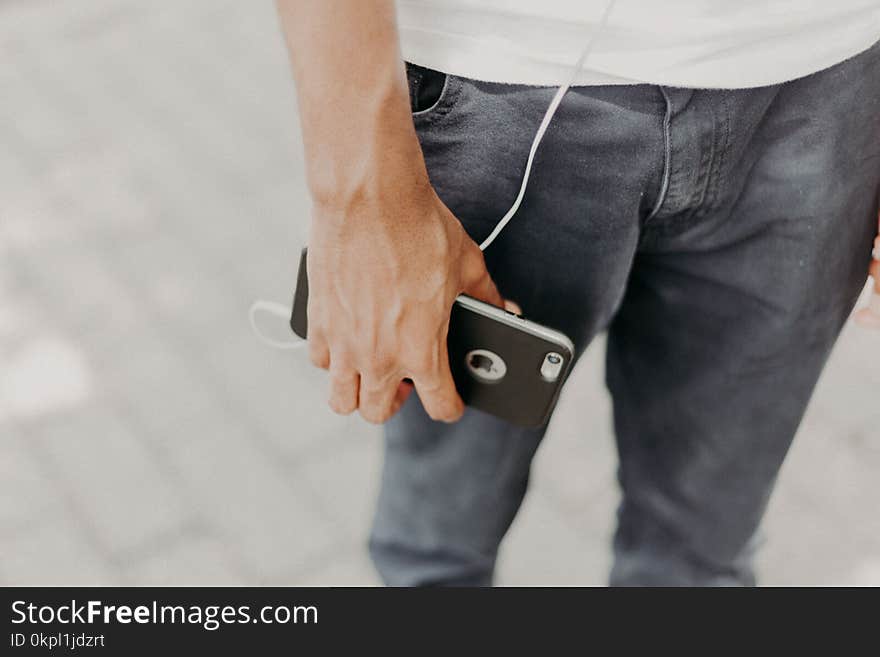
(386, 257)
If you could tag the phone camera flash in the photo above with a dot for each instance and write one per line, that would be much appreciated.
(551, 367)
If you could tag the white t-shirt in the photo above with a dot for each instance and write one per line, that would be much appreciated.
(687, 43)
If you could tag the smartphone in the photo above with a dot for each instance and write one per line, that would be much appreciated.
(502, 364)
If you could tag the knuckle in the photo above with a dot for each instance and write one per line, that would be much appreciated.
(379, 369)
(319, 357)
(342, 365)
(370, 390)
(424, 363)
(435, 388)
(341, 376)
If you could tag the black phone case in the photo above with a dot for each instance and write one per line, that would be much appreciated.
(522, 397)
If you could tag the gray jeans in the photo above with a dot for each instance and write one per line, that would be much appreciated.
(721, 237)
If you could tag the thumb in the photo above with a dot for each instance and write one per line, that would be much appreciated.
(476, 279)
(512, 307)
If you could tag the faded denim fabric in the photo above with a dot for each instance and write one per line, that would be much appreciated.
(721, 237)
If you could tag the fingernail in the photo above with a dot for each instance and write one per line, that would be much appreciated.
(457, 416)
(513, 307)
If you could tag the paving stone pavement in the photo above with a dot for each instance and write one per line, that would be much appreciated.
(151, 186)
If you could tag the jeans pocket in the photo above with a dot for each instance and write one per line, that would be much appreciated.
(432, 94)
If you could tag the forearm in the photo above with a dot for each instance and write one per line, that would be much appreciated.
(353, 98)
(386, 257)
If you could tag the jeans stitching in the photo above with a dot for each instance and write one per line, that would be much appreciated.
(708, 160)
(721, 144)
(696, 205)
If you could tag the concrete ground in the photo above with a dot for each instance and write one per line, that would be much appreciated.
(151, 186)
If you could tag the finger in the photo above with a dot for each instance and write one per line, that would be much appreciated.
(437, 392)
(512, 307)
(376, 398)
(477, 281)
(404, 390)
(344, 385)
(319, 351)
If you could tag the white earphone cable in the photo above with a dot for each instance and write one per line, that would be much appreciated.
(545, 123)
(282, 311)
(278, 310)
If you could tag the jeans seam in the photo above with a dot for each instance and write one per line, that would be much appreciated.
(720, 146)
(667, 156)
(708, 161)
(705, 191)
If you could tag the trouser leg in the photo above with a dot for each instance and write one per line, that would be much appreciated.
(450, 492)
(737, 295)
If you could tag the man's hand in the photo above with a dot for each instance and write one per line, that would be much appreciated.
(383, 275)
(386, 257)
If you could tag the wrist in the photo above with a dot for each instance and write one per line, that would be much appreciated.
(364, 154)
(391, 216)
(373, 189)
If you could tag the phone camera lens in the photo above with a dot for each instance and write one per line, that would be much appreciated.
(551, 368)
